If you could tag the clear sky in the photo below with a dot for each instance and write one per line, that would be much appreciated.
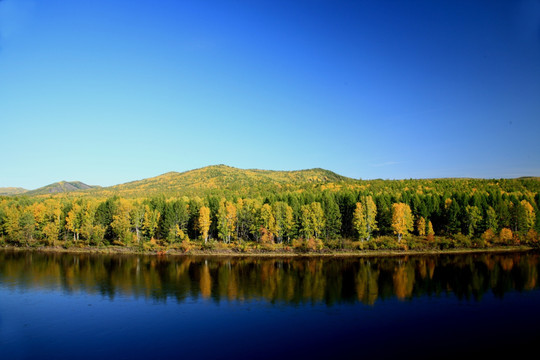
(112, 91)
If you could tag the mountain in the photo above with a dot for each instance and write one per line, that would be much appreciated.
(221, 179)
(60, 187)
(12, 190)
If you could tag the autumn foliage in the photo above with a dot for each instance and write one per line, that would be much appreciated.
(285, 209)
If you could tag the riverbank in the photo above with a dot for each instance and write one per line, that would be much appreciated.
(124, 250)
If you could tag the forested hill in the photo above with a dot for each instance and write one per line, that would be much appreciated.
(226, 181)
(59, 187)
(226, 203)
(222, 180)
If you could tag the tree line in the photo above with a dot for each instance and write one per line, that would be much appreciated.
(323, 216)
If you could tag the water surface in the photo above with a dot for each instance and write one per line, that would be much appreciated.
(86, 306)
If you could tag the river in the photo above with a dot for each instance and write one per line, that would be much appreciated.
(65, 306)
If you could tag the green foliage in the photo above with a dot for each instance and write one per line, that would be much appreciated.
(270, 208)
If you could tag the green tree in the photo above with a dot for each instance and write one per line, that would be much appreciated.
(137, 216)
(473, 217)
(491, 219)
(332, 215)
(27, 224)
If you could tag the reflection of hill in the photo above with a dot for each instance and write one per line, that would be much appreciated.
(291, 281)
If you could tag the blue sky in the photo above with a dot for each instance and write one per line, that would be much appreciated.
(112, 91)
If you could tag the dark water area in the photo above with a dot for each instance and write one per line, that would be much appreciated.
(132, 307)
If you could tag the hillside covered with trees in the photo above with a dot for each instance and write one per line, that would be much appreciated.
(259, 210)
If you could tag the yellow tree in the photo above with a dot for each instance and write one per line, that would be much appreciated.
(359, 221)
(12, 223)
(39, 211)
(371, 213)
(402, 220)
(268, 221)
(283, 214)
(421, 226)
(430, 232)
(204, 222)
(51, 229)
(226, 220)
(121, 223)
(318, 219)
(505, 236)
(74, 220)
(92, 231)
(530, 216)
(151, 221)
(312, 219)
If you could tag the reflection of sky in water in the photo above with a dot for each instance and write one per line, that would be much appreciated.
(36, 323)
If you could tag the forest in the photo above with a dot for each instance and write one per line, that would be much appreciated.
(308, 216)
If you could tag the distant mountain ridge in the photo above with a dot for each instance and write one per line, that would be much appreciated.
(214, 179)
(223, 180)
(12, 190)
(60, 187)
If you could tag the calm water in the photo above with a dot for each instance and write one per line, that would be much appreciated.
(86, 306)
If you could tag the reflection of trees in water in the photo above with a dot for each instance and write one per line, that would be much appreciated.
(292, 281)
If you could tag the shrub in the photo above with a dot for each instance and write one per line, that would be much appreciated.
(479, 242)
(347, 244)
(298, 243)
(388, 243)
(334, 244)
(266, 236)
(371, 245)
(461, 240)
(532, 237)
(488, 236)
(242, 246)
(446, 243)
(186, 245)
(506, 236)
(151, 246)
(209, 245)
(314, 245)
(308, 244)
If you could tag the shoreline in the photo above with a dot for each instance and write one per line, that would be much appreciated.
(229, 253)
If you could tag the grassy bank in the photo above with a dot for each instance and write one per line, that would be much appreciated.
(259, 252)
